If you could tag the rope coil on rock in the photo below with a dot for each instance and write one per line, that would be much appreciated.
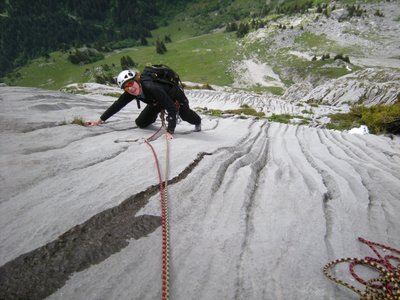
(386, 286)
(164, 212)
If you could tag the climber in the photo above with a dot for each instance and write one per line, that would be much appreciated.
(159, 96)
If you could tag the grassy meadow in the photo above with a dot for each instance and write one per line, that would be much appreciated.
(202, 59)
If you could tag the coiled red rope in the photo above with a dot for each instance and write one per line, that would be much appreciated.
(164, 215)
(386, 286)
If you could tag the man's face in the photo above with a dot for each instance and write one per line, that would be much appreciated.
(133, 88)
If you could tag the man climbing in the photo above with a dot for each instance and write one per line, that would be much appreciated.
(159, 95)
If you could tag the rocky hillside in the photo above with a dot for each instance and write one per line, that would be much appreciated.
(297, 54)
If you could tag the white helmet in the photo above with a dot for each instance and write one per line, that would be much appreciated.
(124, 76)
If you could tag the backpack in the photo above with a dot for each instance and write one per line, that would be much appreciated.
(162, 73)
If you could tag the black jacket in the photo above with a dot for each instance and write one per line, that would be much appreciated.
(155, 93)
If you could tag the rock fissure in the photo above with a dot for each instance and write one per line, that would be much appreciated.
(39, 273)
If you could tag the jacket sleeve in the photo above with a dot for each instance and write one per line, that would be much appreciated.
(123, 100)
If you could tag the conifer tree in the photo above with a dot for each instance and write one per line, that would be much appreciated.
(160, 47)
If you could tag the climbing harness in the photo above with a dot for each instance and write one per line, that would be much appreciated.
(386, 286)
(164, 211)
(178, 117)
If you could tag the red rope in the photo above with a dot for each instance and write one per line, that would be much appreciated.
(164, 224)
(386, 286)
(383, 261)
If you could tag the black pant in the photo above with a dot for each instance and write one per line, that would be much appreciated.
(150, 113)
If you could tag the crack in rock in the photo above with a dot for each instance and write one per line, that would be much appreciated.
(332, 193)
(257, 163)
(39, 273)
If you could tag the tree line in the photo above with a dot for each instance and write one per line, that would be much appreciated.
(32, 29)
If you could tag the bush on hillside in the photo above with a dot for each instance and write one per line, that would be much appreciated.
(247, 111)
(379, 119)
(242, 30)
(125, 43)
(78, 121)
(85, 56)
(127, 62)
(103, 74)
(325, 56)
(244, 111)
(167, 38)
(341, 57)
(282, 118)
(160, 47)
(378, 13)
(231, 27)
(293, 7)
(356, 11)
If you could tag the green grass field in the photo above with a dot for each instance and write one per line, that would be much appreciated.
(202, 59)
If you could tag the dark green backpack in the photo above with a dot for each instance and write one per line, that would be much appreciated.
(162, 73)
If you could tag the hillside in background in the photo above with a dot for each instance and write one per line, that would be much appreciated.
(304, 53)
(112, 24)
(103, 24)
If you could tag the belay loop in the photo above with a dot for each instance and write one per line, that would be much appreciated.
(386, 286)
(164, 214)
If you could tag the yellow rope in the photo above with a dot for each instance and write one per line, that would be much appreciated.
(164, 212)
(386, 286)
(166, 223)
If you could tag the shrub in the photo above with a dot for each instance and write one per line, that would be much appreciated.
(378, 13)
(243, 111)
(85, 56)
(343, 121)
(312, 102)
(355, 11)
(127, 62)
(242, 30)
(160, 47)
(283, 118)
(246, 110)
(115, 95)
(78, 121)
(325, 56)
(379, 119)
(338, 56)
(341, 57)
(126, 43)
(215, 112)
(382, 118)
(231, 27)
(204, 86)
(167, 38)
